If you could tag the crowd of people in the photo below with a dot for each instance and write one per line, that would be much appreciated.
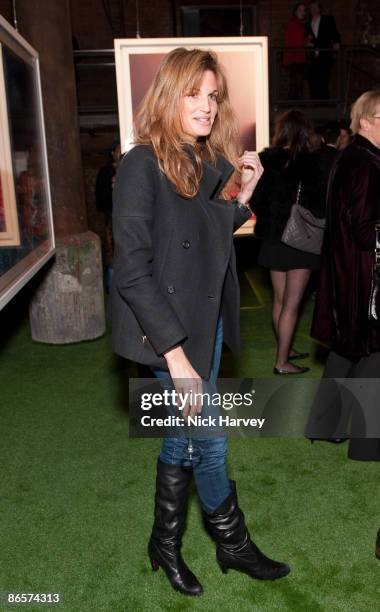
(340, 183)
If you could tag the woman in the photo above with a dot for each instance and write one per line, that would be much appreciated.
(176, 292)
(295, 55)
(344, 138)
(342, 306)
(288, 166)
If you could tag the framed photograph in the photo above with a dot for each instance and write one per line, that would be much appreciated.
(245, 62)
(26, 225)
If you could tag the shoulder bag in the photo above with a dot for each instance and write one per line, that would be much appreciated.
(304, 231)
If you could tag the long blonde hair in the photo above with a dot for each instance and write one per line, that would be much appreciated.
(157, 121)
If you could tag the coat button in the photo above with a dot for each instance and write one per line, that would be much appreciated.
(171, 289)
(186, 244)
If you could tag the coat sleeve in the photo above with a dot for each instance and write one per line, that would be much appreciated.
(259, 202)
(241, 215)
(133, 217)
(363, 211)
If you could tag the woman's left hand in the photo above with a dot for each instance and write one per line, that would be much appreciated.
(251, 171)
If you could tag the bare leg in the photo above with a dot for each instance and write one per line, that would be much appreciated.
(296, 281)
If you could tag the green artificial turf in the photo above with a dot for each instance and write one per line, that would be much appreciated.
(77, 494)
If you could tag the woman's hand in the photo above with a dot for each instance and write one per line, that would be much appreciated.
(251, 171)
(185, 379)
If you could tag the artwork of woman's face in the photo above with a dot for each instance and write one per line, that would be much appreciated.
(198, 109)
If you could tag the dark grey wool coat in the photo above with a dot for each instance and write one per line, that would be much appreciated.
(174, 263)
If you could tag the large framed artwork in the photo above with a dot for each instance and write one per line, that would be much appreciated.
(245, 62)
(26, 226)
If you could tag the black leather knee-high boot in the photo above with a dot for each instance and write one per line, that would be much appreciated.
(235, 550)
(172, 493)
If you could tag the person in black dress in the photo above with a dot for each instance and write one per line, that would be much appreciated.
(288, 162)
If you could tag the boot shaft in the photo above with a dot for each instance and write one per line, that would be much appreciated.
(171, 501)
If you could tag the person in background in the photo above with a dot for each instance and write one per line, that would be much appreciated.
(327, 152)
(175, 293)
(344, 138)
(341, 311)
(287, 163)
(294, 58)
(103, 198)
(324, 38)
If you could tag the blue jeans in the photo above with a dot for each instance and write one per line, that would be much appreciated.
(208, 459)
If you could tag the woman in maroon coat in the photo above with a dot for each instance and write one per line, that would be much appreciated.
(341, 312)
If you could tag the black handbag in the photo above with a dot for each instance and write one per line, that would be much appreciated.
(304, 231)
(374, 299)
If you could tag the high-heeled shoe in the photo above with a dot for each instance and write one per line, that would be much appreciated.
(331, 440)
(298, 356)
(290, 372)
(377, 549)
(234, 547)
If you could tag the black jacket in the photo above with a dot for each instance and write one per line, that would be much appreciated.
(277, 189)
(174, 263)
(327, 33)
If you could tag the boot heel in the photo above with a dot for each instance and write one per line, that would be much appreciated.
(155, 564)
(223, 567)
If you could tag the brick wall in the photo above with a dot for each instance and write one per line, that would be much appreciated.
(94, 29)
(6, 10)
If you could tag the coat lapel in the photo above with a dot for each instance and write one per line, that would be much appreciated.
(215, 178)
(220, 213)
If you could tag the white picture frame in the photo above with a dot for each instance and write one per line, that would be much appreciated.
(27, 240)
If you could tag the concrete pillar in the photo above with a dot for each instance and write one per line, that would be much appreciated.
(69, 304)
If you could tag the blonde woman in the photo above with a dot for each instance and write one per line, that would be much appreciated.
(341, 316)
(176, 293)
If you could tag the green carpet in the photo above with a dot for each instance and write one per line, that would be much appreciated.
(77, 494)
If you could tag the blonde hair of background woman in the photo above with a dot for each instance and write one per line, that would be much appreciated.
(364, 108)
(157, 121)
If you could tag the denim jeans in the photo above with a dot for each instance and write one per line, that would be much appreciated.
(208, 458)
